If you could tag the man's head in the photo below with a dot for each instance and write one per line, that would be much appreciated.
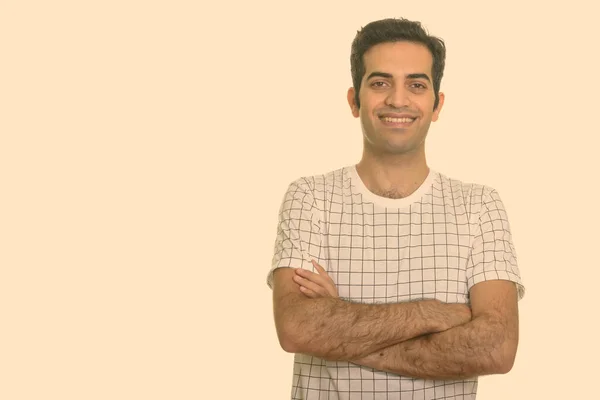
(396, 71)
(395, 30)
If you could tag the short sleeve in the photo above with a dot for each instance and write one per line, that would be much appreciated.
(493, 254)
(298, 239)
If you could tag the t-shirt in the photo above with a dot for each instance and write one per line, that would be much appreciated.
(433, 244)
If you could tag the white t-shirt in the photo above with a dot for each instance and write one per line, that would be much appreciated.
(434, 244)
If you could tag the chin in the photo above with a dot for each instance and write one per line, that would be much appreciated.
(400, 148)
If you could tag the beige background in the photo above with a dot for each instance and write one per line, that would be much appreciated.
(146, 146)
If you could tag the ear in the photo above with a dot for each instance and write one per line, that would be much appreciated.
(352, 103)
(436, 112)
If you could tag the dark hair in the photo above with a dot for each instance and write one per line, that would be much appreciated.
(395, 30)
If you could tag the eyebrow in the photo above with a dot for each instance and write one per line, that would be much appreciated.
(389, 76)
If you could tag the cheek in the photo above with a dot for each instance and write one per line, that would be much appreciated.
(367, 109)
(366, 116)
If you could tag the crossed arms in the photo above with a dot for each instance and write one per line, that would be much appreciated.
(424, 339)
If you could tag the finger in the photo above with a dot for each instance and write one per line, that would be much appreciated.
(324, 280)
(312, 276)
(326, 287)
(311, 285)
(309, 293)
(330, 285)
(315, 287)
(322, 271)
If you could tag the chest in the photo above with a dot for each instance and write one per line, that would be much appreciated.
(399, 256)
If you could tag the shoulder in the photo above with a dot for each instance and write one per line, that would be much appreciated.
(471, 192)
(318, 184)
(476, 198)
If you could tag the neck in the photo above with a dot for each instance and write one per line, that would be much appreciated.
(392, 176)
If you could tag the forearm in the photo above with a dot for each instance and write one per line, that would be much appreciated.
(481, 347)
(335, 329)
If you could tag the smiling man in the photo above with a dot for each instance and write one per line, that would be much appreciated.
(391, 280)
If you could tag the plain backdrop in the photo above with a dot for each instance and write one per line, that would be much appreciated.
(145, 147)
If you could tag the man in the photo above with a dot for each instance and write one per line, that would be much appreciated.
(391, 280)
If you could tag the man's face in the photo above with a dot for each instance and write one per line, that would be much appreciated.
(396, 98)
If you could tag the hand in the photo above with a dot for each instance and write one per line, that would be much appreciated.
(315, 285)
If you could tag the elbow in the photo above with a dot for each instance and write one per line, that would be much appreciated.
(501, 348)
(287, 334)
(295, 331)
(507, 363)
(287, 343)
(502, 367)
(505, 360)
(294, 339)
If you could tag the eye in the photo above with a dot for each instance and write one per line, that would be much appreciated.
(418, 85)
(378, 84)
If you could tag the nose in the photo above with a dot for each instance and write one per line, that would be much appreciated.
(398, 97)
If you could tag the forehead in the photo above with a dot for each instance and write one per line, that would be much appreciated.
(398, 58)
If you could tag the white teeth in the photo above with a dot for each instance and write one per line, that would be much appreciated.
(397, 120)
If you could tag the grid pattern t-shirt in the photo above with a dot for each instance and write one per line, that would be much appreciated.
(434, 244)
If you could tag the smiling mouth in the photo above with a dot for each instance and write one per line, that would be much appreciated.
(403, 120)
(397, 122)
